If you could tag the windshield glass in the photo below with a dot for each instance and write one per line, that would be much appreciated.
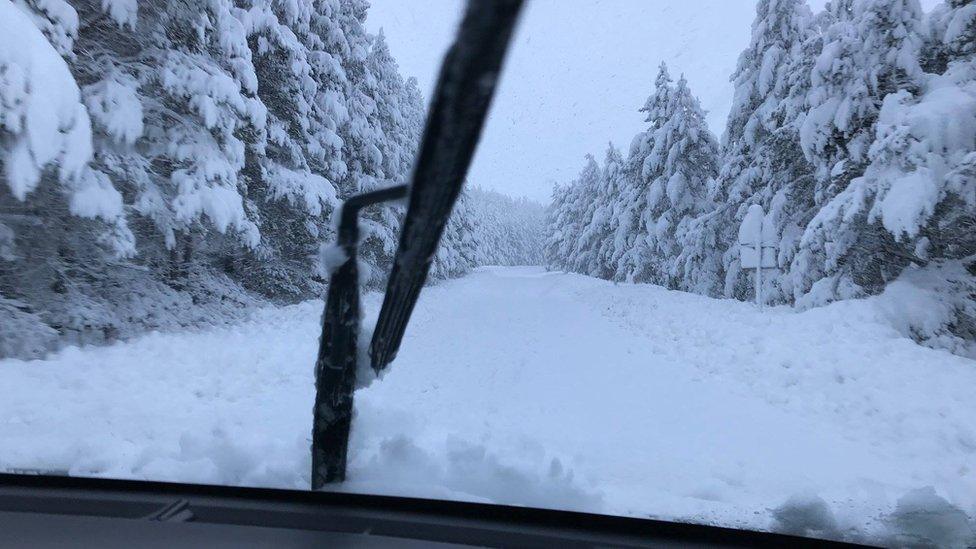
(714, 260)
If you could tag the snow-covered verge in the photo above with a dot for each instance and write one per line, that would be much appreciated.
(546, 389)
(127, 305)
(934, 305)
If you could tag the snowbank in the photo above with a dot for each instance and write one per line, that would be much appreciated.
(934, 305)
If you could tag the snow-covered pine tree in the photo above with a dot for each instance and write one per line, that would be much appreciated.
(327, 47)
(398, 115)
(203, 117)
(917, 196)
(109, 87)
(289, 201)
(457, 252)
(606, 219)
(871, 50)
(685, 163)
(45, 147)
(760, 163)
(359, 132)
(673, 165)
(950, 34)
(58, 20)
(578, 201)
(43, 123)
(585, 199)
(919, 186)
(557, 219)
(362, 141)
(959, 36)
(172, 92)
(62, 221)
(632, 251)
(399, 109)
(47, 126)
(414, 109)
(794, 204)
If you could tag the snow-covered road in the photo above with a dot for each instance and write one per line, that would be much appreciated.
(519, 386)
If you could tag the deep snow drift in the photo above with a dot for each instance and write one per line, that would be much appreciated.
(544, 389)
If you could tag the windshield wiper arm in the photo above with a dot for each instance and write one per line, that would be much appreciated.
(335, 368)
(467, 82)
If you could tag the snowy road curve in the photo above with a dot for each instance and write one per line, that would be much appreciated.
(520, 386)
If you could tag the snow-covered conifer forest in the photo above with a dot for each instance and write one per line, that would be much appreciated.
(855, 130)
(170, 164)
(170, 175)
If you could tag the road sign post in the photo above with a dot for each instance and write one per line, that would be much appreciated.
(757, 246)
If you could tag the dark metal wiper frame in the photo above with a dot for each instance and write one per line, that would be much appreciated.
(466, 84)
(335, 368)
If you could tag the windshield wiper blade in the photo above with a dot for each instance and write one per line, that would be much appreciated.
(467, 82)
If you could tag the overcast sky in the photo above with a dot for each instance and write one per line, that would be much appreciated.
(576, 75)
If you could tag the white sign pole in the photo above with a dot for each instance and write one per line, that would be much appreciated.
(755, 235)
(759, 251)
